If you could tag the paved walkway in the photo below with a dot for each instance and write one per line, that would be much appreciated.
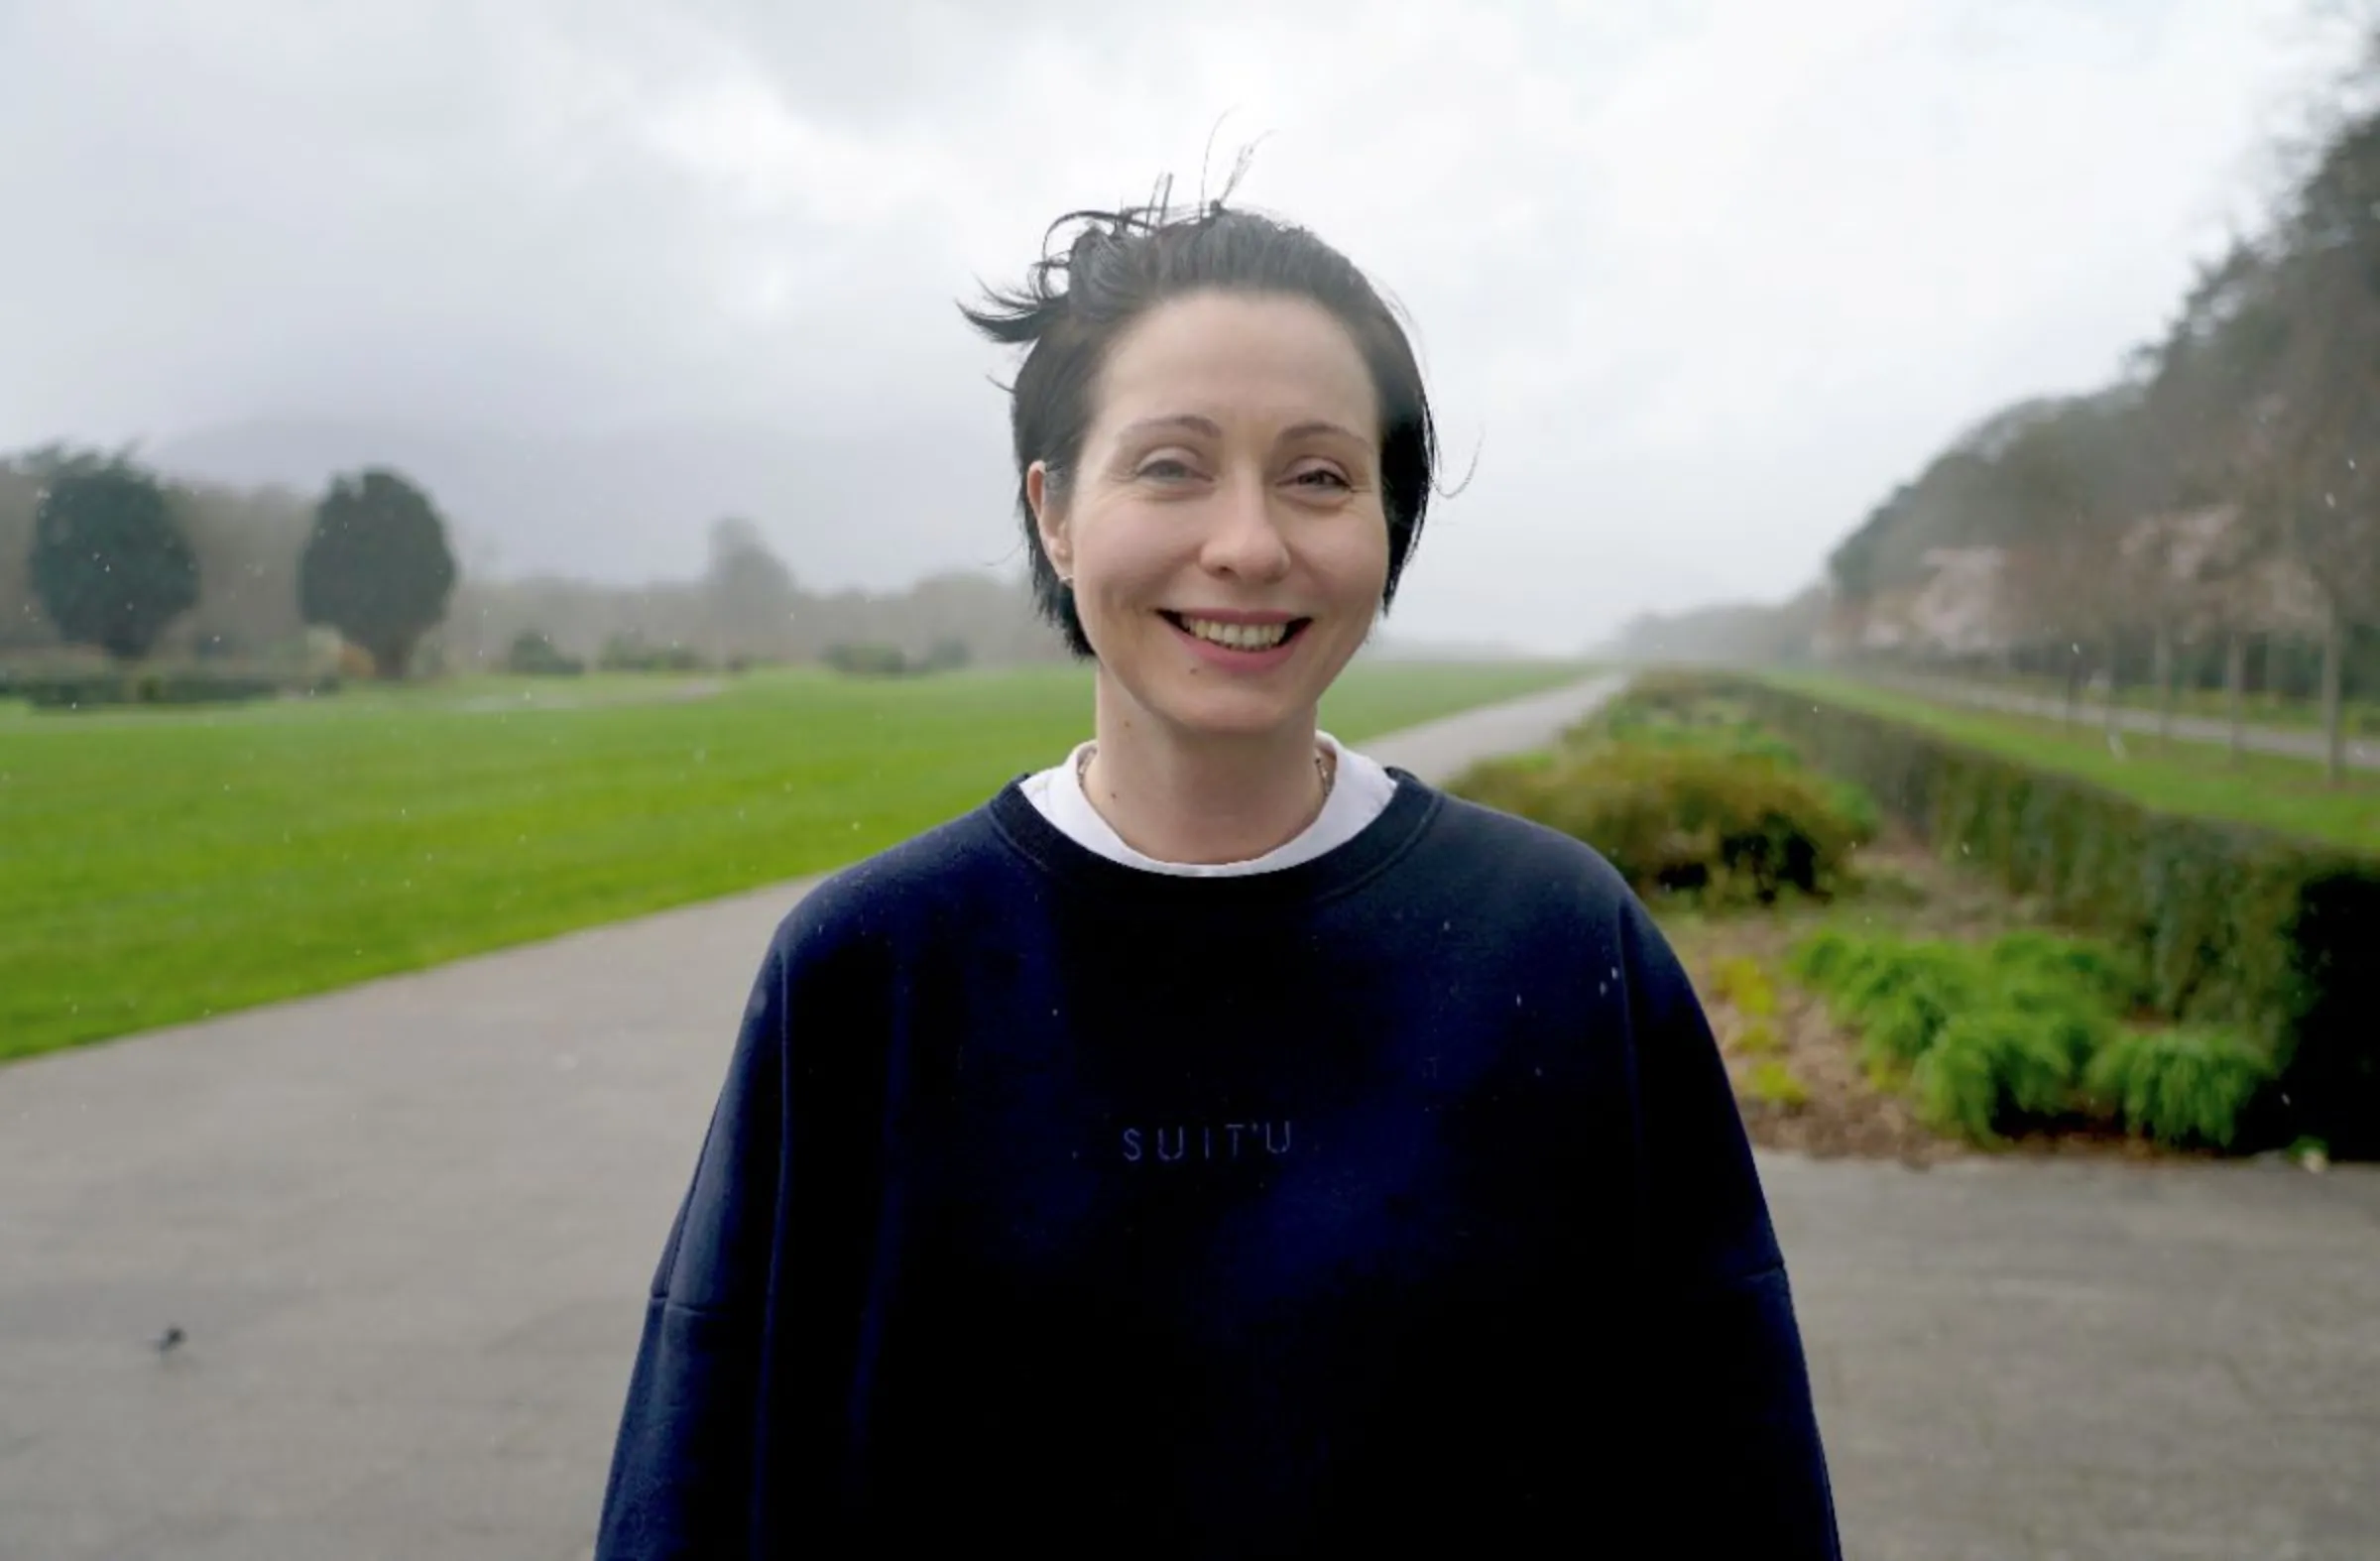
(2296, 743)
(406, 1229)
(2078, 1361)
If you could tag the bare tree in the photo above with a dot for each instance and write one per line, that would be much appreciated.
(750, 594)
(2069, 482)
(2166, 566)
(2325, 430)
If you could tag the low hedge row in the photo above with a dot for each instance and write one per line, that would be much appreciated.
(2234, 928)
(102, 691)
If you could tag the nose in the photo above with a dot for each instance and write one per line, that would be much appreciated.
(1244, 538)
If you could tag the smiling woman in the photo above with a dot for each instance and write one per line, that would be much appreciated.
(1219, 1144)
(1225, 453)
(1223, 559)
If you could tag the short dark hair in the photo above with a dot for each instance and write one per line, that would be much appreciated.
(1116, 267)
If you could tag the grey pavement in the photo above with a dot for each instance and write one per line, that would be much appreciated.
(405, 1230)
(2089, 1360)
(2293, 743)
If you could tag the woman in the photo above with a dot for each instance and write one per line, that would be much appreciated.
(1219, 1145)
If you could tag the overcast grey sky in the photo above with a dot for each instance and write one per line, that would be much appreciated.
(1697, 281)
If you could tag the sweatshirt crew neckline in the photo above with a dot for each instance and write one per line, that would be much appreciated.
(1336, 872)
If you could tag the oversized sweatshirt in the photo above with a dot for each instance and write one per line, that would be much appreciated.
(1397, 1198)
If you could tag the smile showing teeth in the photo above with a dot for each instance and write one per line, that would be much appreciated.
(1238, 637)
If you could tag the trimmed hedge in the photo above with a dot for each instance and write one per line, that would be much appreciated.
(2236, 929)
(112, 690)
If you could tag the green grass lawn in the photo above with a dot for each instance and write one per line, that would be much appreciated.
(159, 865)
(2273, 792)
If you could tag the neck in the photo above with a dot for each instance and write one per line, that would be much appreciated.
(1205, 801)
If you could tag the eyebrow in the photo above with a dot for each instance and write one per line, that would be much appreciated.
(1185, 422)
(1301, 430)
(1192, 423)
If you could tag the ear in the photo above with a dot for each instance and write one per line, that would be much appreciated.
(1049, 519)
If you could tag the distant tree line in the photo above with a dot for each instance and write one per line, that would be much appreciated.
(748, 607)
(1732, 634)
(103, 556)
(2211, 518)
(112, 558)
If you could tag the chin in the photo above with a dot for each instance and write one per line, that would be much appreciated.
(1228, 713)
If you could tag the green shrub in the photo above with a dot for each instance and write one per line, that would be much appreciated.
(947, 655)
(1958, 1089)
(1990, 1066)
(868, 660)
(2180, 1086)
(2224, 926)
(1728, 828)
(1821, 960)
(1772, 1083)
(1982, 1034)
(633, 652)
(1903, 999)
(1857, 807)
(1689, 696)
(1759, 1038)
(1685, 792)
(1744, 986)
(2096, 967)
(1735, 735)
(1679, 710)
(535, 654)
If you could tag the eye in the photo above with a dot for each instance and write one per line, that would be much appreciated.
(1164, 468)
(1322, 477)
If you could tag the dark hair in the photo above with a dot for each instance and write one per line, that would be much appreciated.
(1119, 264)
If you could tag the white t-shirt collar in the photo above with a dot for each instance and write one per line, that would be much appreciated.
(1359, 793)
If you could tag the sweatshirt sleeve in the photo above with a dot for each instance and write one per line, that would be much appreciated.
(1733, 1437)
(710, 1398)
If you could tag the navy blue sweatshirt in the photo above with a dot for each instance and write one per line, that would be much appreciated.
(1392, 1199)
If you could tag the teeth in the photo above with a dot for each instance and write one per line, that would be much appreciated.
(1240, 637)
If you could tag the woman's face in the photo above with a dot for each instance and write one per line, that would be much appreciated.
(1224, 529)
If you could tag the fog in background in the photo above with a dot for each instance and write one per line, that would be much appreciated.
(1696, 284)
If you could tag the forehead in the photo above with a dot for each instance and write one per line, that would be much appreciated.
(1240, 360)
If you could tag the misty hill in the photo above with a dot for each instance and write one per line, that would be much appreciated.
(1974, 494)
(876, 511)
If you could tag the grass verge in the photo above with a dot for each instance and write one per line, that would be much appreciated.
(2275, 793)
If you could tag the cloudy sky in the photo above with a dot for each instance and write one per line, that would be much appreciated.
(1696, 281)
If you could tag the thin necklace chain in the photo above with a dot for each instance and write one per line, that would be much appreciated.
(1324, 770)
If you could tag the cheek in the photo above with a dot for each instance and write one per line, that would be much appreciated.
(1117, 559)
(1358, 561)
